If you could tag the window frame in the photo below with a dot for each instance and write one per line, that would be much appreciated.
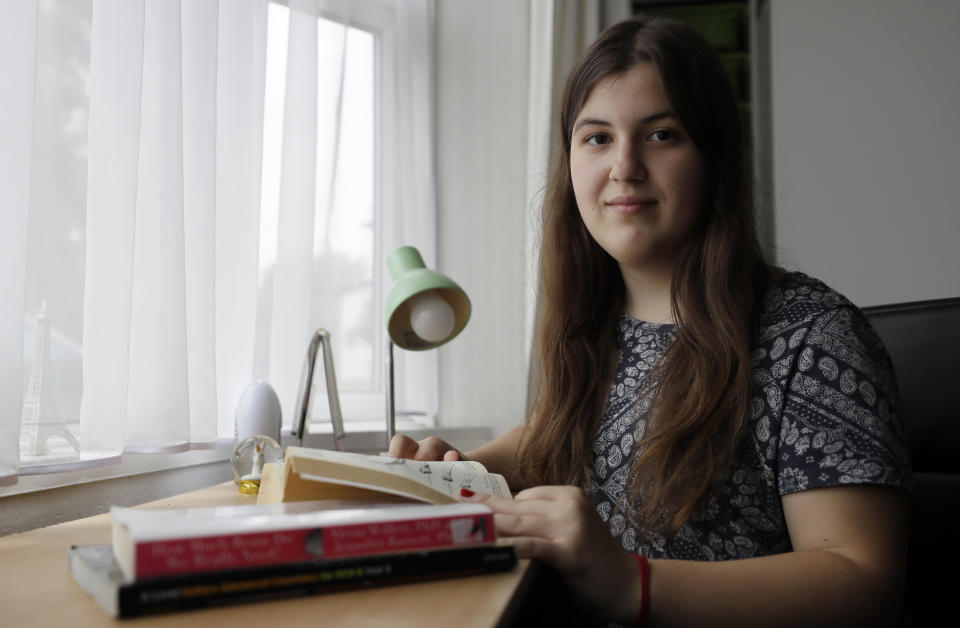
(365, 410)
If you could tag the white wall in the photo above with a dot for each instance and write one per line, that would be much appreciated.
(482, 51)
(866, 134)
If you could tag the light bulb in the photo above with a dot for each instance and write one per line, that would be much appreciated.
(431, 317)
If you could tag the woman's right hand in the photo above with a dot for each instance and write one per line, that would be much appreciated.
(430, 448)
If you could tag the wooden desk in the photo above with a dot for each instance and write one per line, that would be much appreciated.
(37, 590)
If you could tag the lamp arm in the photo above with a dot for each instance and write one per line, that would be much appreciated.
(391, 414)
(320, 340)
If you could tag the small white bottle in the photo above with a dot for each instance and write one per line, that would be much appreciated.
(258, 412)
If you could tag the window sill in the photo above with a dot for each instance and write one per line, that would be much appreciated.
(125, 466)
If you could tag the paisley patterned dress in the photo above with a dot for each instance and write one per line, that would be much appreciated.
(824, 412)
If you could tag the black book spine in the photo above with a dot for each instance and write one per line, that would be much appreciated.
(209, 589)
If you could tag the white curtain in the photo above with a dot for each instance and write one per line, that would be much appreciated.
(311, 193)
(17, 35)
(292, 291)
(174, 192)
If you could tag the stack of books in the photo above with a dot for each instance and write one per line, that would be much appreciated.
(165, 560)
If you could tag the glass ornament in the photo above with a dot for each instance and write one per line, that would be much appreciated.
(248, 459)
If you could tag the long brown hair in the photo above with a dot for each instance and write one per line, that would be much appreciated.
(701, 396)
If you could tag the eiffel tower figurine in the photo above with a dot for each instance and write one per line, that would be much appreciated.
(40, 419)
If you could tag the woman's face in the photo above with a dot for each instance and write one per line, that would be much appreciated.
(638, 178)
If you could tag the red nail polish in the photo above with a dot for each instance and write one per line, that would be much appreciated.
(465, 492)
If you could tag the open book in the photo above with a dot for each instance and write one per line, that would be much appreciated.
(312, 474)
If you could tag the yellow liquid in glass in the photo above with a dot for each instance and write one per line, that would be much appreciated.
(249, 487)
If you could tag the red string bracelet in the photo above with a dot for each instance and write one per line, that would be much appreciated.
(644, 589)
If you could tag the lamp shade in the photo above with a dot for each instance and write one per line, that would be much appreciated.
(412, 282)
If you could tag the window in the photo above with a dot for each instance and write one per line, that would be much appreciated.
(357, 78)
(344, 229)
(140, 168)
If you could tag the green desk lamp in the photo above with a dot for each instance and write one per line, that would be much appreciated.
(425, 309)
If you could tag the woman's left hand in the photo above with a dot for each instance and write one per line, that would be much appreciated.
(559, 526)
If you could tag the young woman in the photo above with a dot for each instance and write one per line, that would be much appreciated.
(693, 405)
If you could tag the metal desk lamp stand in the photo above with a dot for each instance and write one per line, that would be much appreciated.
(391, 415)
(320, 340)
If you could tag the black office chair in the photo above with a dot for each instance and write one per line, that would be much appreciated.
(923, 339)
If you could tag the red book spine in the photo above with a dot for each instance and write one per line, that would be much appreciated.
(167, 557)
